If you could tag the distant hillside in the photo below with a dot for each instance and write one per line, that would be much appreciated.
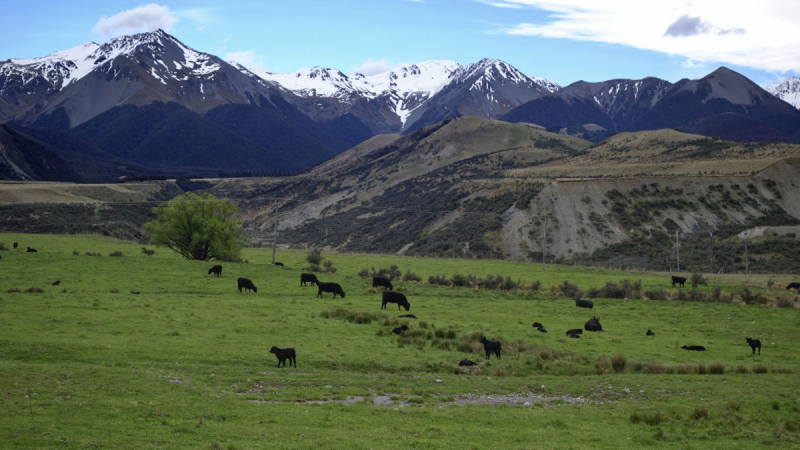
(22, 158)
(736, 127)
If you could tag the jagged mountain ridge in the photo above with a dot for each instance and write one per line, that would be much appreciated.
(788, 90)
(652, 103)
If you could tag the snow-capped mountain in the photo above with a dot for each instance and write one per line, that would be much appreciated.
(401, 94)
(788, 90)
(89, 79)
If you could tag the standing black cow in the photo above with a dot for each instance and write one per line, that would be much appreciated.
(329, 287)
(679, 280)
(754, 343)
(395, 297)
(15, 244)
(216, 270)
(491, 347)
(382, 281)
(583, 303)
(308, 278)
(794, 285)
(246, 284)
(283, 354)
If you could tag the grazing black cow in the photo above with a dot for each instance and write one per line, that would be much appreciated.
(794, 285)
(283, 354)
(679, 280)
(537, 325)
(57, 282)
(583, 303)
(395, 297)
(400, 330)
(277, 264)
(410, 316)
(698, 348)
(650, 332)
(466, 363)
(16, 244)
(491, 347)
(754, 343)
(575, 331)
(593, 325)
(246, 284)
(541, 330)
(31, 250)
(308, 278)
(329, 287)
(216, 270)
(382, 281)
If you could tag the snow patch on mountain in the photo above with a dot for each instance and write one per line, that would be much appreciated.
(788, 90)
(59, 68)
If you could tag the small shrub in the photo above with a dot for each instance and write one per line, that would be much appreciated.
(652, 419)
(716, 294)
(700, 413)
(760, 369)
(440, 280)
(314, 257)
(776, 406)
(716, 369)
(329, 266)
(569, 289)
(148, 252)
(536, 286)
(401, 289)
(410, 276)
(116, 253)
(697, 280)
(372, 291)
(34, 290)
(3, 246)
(602, 366)
(770, 283)
(364, 273)
(725, 297)
(75, 253)
(114, 291)
(619, 363)
(748, 296)
(762, 300)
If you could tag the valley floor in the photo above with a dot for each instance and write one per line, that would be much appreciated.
(152, 352)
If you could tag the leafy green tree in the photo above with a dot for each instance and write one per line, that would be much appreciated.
(198, 227)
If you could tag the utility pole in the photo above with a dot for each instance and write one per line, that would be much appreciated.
(746, 261)
(678, 250)
(711, 234)
(274, 239)
(544, 243)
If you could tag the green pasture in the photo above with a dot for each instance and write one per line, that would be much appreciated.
(185, 364)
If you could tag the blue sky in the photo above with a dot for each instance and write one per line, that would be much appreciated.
(563, 41)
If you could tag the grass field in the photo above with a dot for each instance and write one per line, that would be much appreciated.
(185, 364)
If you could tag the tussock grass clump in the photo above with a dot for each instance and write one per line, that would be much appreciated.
(3, 246)
(401, 289)
(92, 254)
(783, 370)
(762, 300)
(361, 318)
(372, 291)
(115, 253)
(716, 369)
(725, 297)
(776, 405)
(654, 368)
(652, 419)
(741, 369)
(625, 289)
(619, 363)
(760, 369)
(114, 291)
(602, 366)
(34, 290)
(13, 290)
(699, 414)
(659, 294)
(701, 369)
(783, 302)
(686, 369)
(504, 371)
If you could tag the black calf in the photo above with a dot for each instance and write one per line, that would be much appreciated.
(650, 333)
(382, 281)
(574, 331)
(31, 250)
(491, 347)
(308, 278)
(400, 330)
(537, 325)
(466, 363)
(246, 284)
(278, 264)
(57, 283)
(754, 343)
(283, 354)
(698, 348)
(410, 316)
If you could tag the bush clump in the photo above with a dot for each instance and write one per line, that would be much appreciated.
(115, 253)
(748, 297)
(440, 280)
(148, 252)
(569, 289)
(411, 276)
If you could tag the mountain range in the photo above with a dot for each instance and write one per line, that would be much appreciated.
(147, 103)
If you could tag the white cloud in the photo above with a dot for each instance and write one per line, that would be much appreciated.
(500, 4)
(247, 58)
(761, 34)
(142, 18)
(372, 67)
